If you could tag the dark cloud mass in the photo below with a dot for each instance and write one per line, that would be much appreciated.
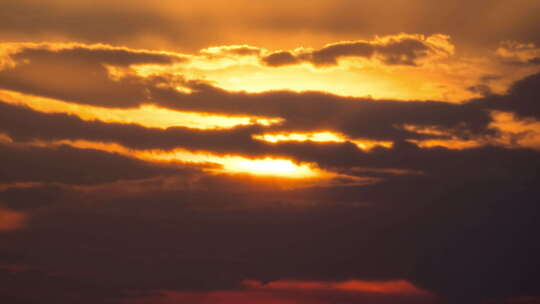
(70, 166)
(408, 201)
(442, 228)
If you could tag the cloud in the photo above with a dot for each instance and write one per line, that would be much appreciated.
(400, 49)
(235, 50)
(127, 78)
(280, 59)
(519, 53)
(71, 166)
(95, 53)
(50, 287)
(55, 71)
(25, 197)
(461, 218)
(522, 99)
(356, 118)
(300, 292)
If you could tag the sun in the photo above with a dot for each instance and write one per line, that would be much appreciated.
(270, 167)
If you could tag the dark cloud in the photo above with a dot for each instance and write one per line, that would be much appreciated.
(467, 225)
(29, 197)
(397, 50)
(481, 89)
(239, 50)
(70, 166)
(522, 99)
(280, 59)
(79, 74)
(534, 60)
(96, 54)
(329, 54)
(356, 117)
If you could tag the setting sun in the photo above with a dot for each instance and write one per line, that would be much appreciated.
(271, 167)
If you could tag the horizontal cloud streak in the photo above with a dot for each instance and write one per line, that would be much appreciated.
(392, 50)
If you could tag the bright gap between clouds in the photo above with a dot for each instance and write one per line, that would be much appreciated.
(267, 166)
(147, 115)
(321, 137)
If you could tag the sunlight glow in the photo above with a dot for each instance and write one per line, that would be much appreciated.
(324, 136)
(352, 77)
(315, 137)
(236, 164)
(269, 166)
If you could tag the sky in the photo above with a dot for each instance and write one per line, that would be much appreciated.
(273, 152)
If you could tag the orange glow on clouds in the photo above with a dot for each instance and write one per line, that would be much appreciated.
(315, 137)
(455, 144)
(324, 136)
(352, 77)
(352, 286)
(517, 132)
(301, 292)
(146, 115)
(442, 76)
(237, 164)
(514, 133)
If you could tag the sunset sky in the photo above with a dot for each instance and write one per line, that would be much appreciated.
(273, 152)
